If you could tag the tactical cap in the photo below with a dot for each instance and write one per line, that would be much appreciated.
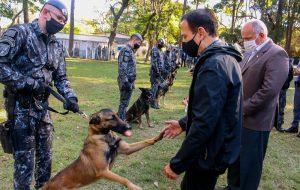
(138, 36)
(161, 41)
(59, 5)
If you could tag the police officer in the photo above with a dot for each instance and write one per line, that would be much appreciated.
(168, 63)
(295, 124)
(127, 72)
(30, 59)
(156, 71)
(282, 98)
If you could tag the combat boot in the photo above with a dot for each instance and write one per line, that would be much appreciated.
(292, 129)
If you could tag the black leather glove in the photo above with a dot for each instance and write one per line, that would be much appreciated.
(72, 104)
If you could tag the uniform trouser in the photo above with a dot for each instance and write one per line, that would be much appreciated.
(246, 172)
(296, 110)
(125, 96)
(32, 142)
(282, 104)
(154, 89)
(195, 180)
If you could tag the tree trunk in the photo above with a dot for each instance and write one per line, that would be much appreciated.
(25, 11)
(113, 32)
(292, 11)
(233, 16)
(278, 23)
(149, 50)
(71, 38)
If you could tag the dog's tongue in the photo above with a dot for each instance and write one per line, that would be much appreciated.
(128, 133)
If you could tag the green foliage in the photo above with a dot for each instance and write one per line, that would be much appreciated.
(66, 29)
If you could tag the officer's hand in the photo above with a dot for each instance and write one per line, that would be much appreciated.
(72, 105)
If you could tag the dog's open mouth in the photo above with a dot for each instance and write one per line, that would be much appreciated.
(125, 130)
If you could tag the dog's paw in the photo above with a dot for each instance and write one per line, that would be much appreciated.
(131, 186)
(159, 137)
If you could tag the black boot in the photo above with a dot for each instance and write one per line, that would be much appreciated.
(292, 129)
(279, 128)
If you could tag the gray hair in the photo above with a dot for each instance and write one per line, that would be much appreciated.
(258, 26)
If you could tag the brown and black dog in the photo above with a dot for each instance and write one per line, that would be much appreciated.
(139, 108)
(100, 149)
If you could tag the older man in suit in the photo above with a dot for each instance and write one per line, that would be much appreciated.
(264, 70)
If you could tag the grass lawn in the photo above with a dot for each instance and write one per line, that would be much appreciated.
(96, 86)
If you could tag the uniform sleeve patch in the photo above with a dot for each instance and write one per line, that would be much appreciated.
(4, 49)
(8, 40)
(10, 33)
(126, 56)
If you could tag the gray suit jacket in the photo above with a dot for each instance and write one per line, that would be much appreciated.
(263, 78)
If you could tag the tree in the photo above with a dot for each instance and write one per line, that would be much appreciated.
(71, 38)
(25, 11)
(292, 18)
(116, 16)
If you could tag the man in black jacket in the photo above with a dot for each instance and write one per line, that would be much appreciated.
(214, 119)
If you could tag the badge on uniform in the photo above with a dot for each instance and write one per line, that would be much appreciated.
(126, 57)
(4, 49)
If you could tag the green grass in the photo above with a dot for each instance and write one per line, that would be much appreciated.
(96, 85)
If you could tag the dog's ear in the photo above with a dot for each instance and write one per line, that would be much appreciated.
(95, 119)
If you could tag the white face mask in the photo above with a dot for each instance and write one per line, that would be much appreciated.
(250, 45)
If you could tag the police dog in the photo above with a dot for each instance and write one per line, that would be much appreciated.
(139, 108)
(100, 149)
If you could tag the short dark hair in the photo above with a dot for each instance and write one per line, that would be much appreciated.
(205, 18)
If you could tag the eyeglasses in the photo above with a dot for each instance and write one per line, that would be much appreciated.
(61, 19)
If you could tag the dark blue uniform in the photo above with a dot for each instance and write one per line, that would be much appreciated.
(126, 78)
(27, 56)
(168, 64)
(156, 70)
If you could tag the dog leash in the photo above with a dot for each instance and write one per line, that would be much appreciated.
(63, 100)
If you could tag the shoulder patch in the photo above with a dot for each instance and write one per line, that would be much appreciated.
(4, 49)
(8, 40)
(10, 33)
(126, 56)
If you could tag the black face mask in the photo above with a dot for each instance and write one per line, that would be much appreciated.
(52, 26)
(136, 46)
(191, 47)
(160, 46)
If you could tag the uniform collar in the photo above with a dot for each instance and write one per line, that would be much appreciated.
(129, 46)
(39, 32)
(262, 45)
(37, 28)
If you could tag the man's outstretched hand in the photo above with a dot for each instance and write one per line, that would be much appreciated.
(172, 129)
